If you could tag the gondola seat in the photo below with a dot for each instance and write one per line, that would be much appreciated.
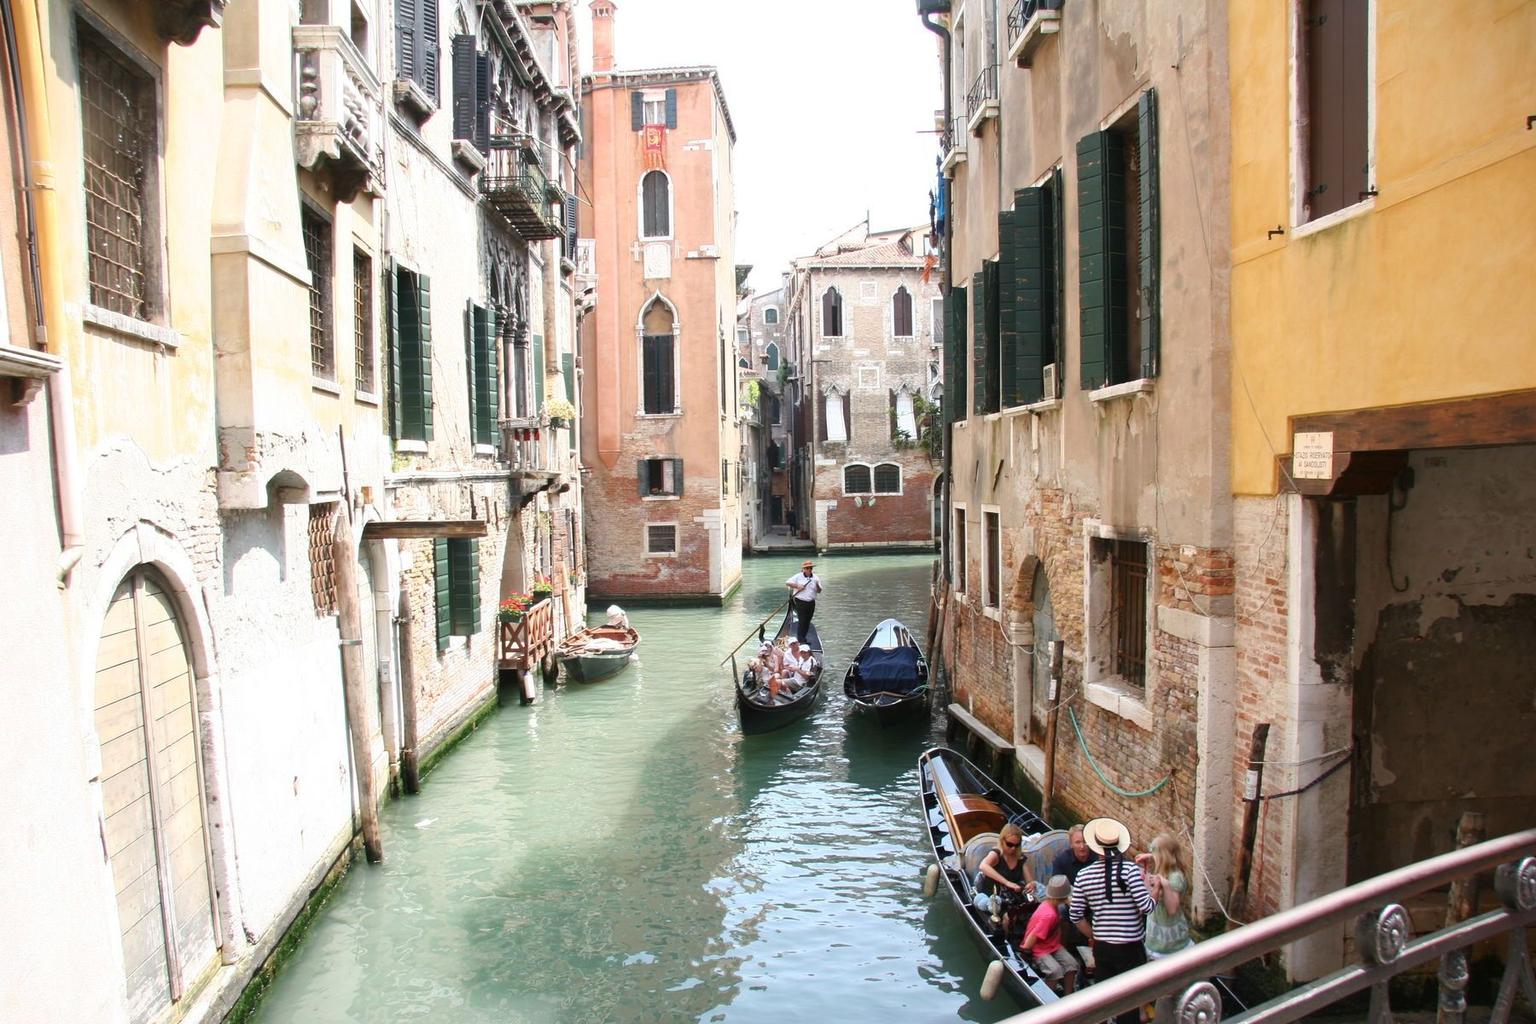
(1042, 850)
(976, 851)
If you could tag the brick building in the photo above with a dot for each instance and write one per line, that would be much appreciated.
(860, 308)
(762, 339)
(659, 380)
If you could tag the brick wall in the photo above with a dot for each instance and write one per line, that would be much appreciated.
(905, 518)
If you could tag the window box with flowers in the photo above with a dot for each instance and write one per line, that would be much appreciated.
(526, 629)
(542, 588)
(561, 413)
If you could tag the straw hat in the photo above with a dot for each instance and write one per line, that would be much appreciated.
(1105, 834)
(807, 564)
(1059, 888)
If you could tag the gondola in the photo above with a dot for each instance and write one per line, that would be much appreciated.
(888, 679)
(758, 713)
(964, 811)
(596, 652)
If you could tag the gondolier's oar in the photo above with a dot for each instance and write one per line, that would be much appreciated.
(754, 629)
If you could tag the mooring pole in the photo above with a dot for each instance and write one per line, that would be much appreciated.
(1251, 784)
(1053, 694)
(410, 767)
(354, 676)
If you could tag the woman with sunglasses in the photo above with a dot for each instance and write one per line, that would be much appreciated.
(1003, 868)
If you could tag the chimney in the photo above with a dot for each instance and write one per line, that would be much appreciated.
(602, 35)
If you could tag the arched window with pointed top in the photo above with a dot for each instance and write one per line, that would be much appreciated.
(658, 361)
(832, 313)
(772, 354)
(901, 313)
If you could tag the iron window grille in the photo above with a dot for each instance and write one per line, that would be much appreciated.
(322, 568)
(994, 555)
(317, 254)
(1128, 609)
(887, 478)
(362, 318)
(661, 540)
(856, 480)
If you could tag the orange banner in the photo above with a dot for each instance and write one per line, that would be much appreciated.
(654, 143)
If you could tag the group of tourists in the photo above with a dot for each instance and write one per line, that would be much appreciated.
(786, 669)
(1126, 911)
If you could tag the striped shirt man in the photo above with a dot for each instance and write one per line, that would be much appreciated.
(1121, 917)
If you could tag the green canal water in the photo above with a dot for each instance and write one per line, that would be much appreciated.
(619, 852)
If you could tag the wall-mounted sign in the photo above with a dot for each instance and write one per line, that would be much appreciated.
(1312, 456)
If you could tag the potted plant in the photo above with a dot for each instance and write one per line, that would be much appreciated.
(513, 608)
(542, 588)
(561, 412)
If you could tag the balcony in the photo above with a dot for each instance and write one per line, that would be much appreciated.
(513, 183)
(954, 138)
(521, 645)
(181, 21)
(338, 122)
(981, 100)
(523, 448)
(1029, 22)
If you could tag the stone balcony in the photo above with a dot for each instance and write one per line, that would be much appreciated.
(338, 122)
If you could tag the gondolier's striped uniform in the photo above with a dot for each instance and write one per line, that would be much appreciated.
(1122, 917)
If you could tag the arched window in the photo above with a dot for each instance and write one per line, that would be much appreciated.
(901, 313)
(832, 313)
(657, 364)
(655, 205)
(743, 364)
(773, 356)
(887, 478)
(771, 315)
(855, 479)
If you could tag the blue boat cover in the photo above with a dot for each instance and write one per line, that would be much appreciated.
(887, 670)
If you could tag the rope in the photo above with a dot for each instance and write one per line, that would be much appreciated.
(1317, 781)
(1081, 742)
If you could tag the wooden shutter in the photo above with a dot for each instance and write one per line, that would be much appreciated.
(474, 332)
(848, 418)
(392, 319)
(464, 587)
(1148, 245)
(1337, 44)
(491, 406)
(442, 580)
(1037, 291)
(636, 110)
(821, 419)
(538, 374)
(677, 477)
(568, 371)
(483, 100)
(424, 352)
(427, 47)
(1101, 257)
(891, 423)
(984, 338)
(464, 93)
(407, 38)
(956, 341)
(643, 476)
(671, 108)
(1055, 350)
(1010, 368)
(571, 214)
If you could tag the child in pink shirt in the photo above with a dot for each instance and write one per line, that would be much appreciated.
(1042, 937)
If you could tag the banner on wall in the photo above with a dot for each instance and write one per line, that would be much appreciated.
(654, 143)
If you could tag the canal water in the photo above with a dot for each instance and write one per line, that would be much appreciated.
(620, 852)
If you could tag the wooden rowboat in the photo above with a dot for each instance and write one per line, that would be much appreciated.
(596, 652)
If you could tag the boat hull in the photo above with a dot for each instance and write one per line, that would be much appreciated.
(591, 668)
(891, 665)
(585, 662)
(892, 711)
(758, 716)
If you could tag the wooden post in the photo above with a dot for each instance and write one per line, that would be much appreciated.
(1452, 1009)
(410, 766)
(1251, 785)
(354, 676)
(1048, 784)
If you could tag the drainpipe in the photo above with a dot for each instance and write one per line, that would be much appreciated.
(24, 40)
(947, 279)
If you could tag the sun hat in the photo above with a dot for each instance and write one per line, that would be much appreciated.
(1105, 834)
(807, 564)
(1059, 888)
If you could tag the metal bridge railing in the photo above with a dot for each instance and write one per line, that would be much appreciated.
(1383, 937)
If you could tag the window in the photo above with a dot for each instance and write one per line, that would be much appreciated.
(775, 409)
(773, 356)
(887, 478)
(322, 567)
(661, 477)
(992, 567)
(936, 319)
(118, 106)
(484, 382)
(834, 421)
(906, 419)
(473, 93)
(655, 205)
(832, 313)
(1030, 274)
(655, 111)
(1117, 178)
(1117, 604)
(653, 107)
(901, 313)
(1333, 100)
(317, 255)
(771, 315)
(411, 357)
(416, 43)
(456, 568)
(658, 364)
(743, 336)
(957, 544)
(661, 539)
(725, 478)
(856, 480)
(362, 320)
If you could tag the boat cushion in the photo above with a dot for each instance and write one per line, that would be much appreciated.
(977, 849)
(1041, 851)
(887, 671)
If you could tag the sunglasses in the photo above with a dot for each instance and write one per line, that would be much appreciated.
(1011, 846)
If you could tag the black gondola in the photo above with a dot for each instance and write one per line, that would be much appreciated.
(964, 811)
(888, 679)
(758, 713)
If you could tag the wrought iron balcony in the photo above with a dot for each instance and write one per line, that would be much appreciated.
(514, 184)
(981, 100)
(1029, 22)
(338, 122)
(954, 140)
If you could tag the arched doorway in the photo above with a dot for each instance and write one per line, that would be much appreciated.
(152, 789)
(1045, 633)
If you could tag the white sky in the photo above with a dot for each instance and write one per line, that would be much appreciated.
(833, 104)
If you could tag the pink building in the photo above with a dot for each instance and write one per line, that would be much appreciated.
(660, 436)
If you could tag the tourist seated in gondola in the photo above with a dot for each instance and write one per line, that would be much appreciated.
(1042, 943)
(795, 666)
(1004, 868)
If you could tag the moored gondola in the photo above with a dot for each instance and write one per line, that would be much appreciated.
(759, 712)
(597, 652)
(888, 679)
(964, 811)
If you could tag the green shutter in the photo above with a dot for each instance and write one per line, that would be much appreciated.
(474, 332)
(955, 342)
(1008, 307)
(538, 374)
(464, 590)
(392, 318)
(1101, 257)
(568, 371)
(677, 477)
(1056, 347)
(1148, 243)
(442, 578)
(985, 340)
(1037, 290)
(977, 335)
(484, 391)
(491, 407)
(424, 352)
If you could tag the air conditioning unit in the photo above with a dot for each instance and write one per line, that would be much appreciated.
(1050, 389)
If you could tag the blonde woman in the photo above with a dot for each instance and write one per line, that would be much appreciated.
(1167, 874)
(1003, 868)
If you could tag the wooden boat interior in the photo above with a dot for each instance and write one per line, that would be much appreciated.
(968, 814)
(599, 640)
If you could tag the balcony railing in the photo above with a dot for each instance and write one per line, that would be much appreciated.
(515, 184)
(339, 99)
(981, 100)
(523, 446)
(522, 644)
(955, 136)
(1029, 22)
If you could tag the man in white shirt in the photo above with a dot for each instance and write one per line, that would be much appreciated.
(804, 586)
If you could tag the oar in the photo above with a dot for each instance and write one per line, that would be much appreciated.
(755, 629)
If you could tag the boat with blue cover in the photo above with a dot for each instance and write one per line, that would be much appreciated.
(888, 679)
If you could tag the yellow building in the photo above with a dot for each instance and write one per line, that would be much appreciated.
(1383, 421)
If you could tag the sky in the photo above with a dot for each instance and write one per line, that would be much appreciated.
(833, 103)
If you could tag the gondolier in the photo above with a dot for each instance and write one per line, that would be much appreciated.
(804, 586)
(1112, 893)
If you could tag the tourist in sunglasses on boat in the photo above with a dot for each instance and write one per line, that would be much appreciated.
(1004, 875)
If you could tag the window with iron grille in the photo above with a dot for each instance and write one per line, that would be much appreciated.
(888, 478)
(322, 569)
(362, 318)
(317, 254)
(1128, 609)
(661, 539)
(856, 479)
(118, 104)
(994, 557)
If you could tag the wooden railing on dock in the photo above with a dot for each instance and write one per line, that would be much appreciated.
(521, 645)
